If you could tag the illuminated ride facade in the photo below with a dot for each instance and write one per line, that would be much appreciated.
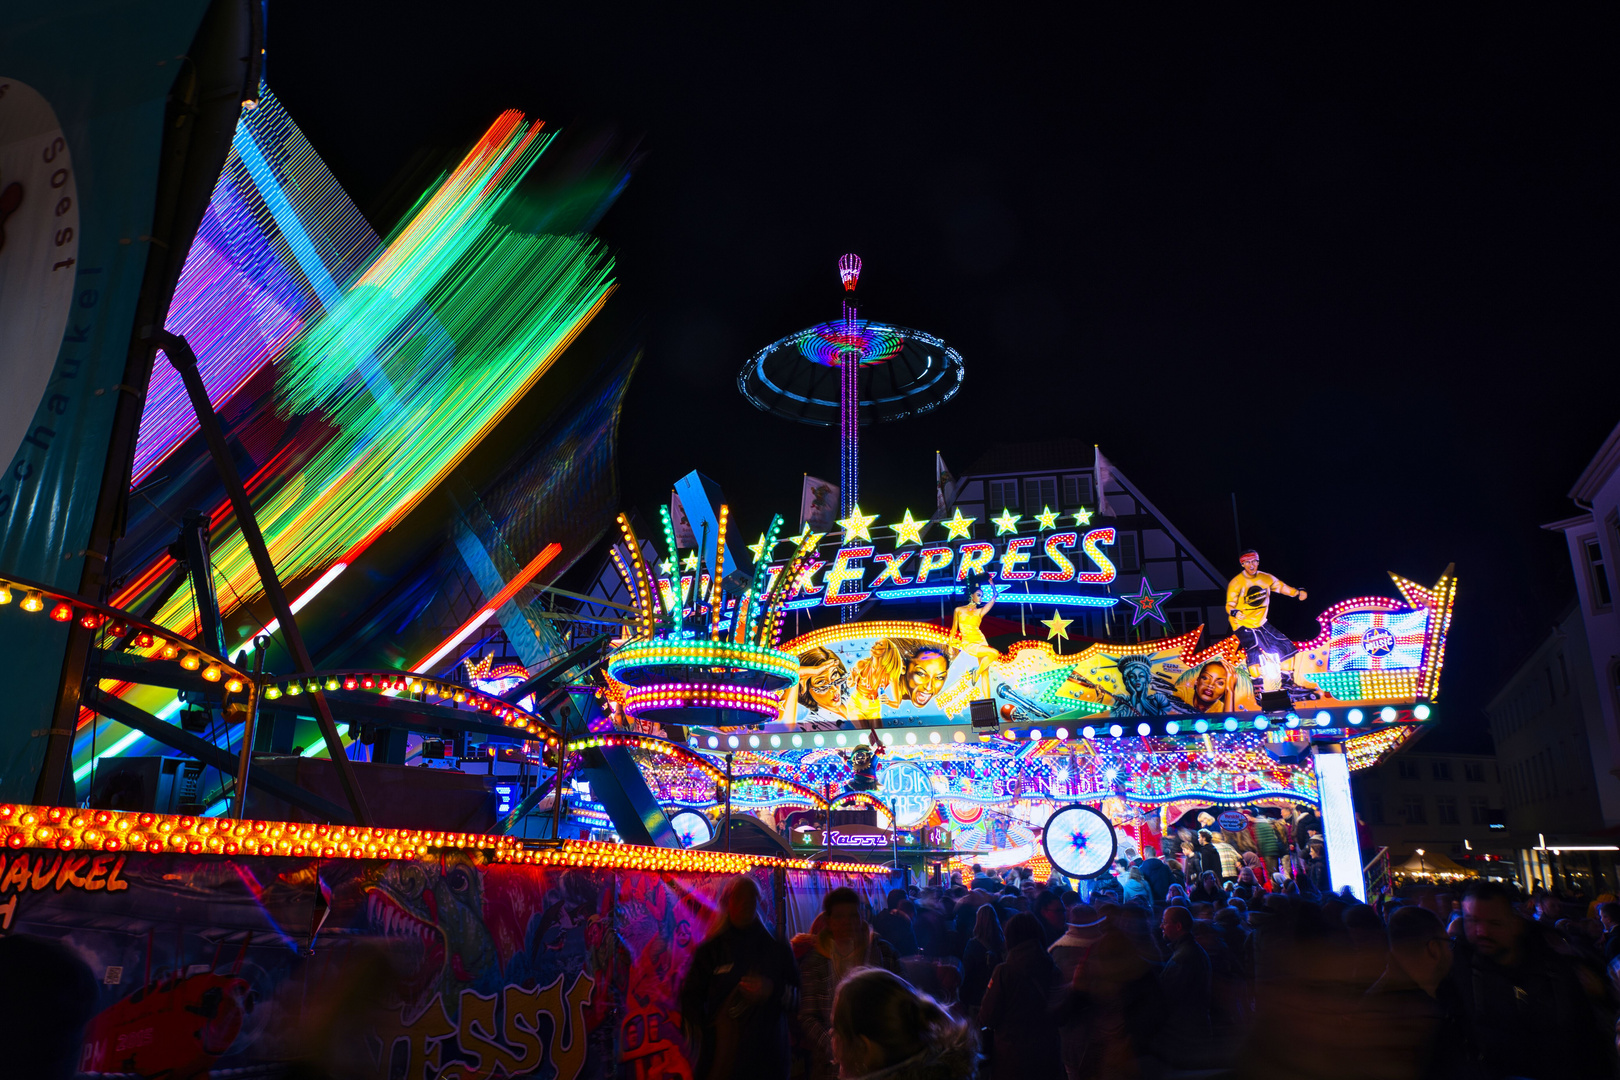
(885, 742)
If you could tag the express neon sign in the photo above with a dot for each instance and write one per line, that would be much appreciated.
(859, 571)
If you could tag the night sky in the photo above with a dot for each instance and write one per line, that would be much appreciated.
(1357, 270)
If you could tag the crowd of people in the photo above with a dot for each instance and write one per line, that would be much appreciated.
(1166, 969)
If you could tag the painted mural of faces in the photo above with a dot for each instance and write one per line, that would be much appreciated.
(925, 676)
(1209, 688)
(822, 681)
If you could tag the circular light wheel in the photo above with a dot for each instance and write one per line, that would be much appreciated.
(693, 828)
(1079, 841)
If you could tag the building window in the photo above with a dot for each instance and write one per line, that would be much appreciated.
(1474, 772)
(1003, 495)
(1597, 574)
(1077, 491)
(1129, 563)
(1042, 494)
(1413, 810)
(1441, 770)
(1372, 809)
(1409, 769)
(1185, 622)
(1479, 810)
(1445, 807)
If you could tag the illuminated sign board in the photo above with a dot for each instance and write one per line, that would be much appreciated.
(1060, 560)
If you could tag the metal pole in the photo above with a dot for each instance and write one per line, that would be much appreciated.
(249, 727)
(728, 804)
(185, 362)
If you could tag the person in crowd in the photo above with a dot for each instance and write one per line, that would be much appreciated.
(1230, 860)
(1019, 1007)
(1209, 858)
(1525, 1011)
(1137, 890)
(1156, 872)
(801, 944)
(1050, 911)
(1609, 918)
(883, 1027)
(50, 995)
(1367, 957)
(984, 951)
(1207, 891)
(966, 911)
(929, 924)
(1083, 930)
(1316, 865)
(893, 924)
(847, 943)
(1184, 984)
(1412, 1025)
(739, 993)
(1268, 843)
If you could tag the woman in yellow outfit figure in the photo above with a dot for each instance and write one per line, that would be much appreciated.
(967, 637)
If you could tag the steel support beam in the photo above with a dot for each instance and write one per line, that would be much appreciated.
(184, 362)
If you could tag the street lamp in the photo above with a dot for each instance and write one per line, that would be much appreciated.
(1422, 867)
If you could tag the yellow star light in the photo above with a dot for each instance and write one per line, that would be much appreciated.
(1007, 522)
(1047, 517)
(909, 531)
(797, 540)
(1082, 516)
(690, 563)
(958, 526)
(1057, 626)
(857, 526)
(757, 549)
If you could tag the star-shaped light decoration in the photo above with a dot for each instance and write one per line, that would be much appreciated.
(757, 548)
(1057, 626)
(690, 563)
(1147, 602)
(1007, 522)
(1047, 518)
(958, 526)
(666, 567)
(909, 530)
(797, 540)
(857, 526)
(1082, 516)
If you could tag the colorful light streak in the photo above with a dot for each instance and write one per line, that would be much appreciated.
(278, 235)
(526, 575)
(467, 315)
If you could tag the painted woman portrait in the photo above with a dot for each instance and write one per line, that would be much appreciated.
(926, 669)
(823, 682)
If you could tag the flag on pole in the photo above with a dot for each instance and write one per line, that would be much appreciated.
(944, 486)
(818, 506)
(684, 536)
(1105, 477)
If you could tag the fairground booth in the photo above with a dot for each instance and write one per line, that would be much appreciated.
(915, 694)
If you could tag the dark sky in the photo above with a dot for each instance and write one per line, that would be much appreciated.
(1357, 269)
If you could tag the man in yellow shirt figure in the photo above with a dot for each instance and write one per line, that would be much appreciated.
(1248, 601)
